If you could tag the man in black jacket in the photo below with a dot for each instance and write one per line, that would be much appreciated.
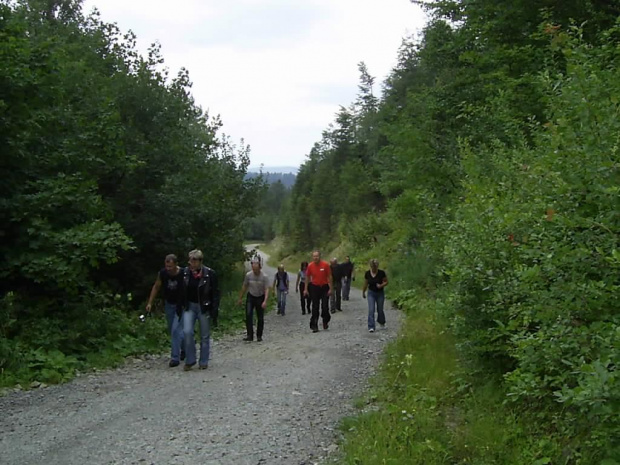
(200, 301)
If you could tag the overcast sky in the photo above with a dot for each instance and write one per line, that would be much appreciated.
(276, 71)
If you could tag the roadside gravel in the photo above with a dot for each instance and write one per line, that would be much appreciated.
(272, 402)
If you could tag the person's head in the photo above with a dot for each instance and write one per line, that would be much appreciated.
(334, 261)
(171, 262)
(304, 265)
(316, 256)
(195, 259)
(256, 266)
(347, 259)
(374, 264)
(281, 268)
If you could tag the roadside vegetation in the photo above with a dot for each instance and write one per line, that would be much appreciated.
(108, 166)
(485, 179)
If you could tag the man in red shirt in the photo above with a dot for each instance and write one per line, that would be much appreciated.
(319, 287)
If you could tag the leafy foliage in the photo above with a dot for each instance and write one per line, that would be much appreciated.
(109, 165)
(488, 173)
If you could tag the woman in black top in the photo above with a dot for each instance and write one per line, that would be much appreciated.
(374, 282)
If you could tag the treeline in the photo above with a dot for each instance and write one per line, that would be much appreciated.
(288, 179)
(265, 222)
(487, 175)
(107, 166)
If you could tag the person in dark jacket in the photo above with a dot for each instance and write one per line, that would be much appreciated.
(200, 301)
(170, 278)
(336, 295)
(348, 275)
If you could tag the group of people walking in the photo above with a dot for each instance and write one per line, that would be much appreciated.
(192, 294)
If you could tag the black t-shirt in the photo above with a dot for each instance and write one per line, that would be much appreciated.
(378, 279)
(171, 285)
(192, 288)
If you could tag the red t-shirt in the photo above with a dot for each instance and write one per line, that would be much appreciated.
(320, 274)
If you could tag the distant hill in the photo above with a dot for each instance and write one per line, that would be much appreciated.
(288, 179)
(273, 169)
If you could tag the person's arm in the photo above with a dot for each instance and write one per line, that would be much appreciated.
(264, 304)
(275, 280)
(244, 289)
(307, 286)
(297, 283)
(329, 280)
(364, 287)
(384, 283)
(154, 291)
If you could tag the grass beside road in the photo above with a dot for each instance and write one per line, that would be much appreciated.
(425, 408)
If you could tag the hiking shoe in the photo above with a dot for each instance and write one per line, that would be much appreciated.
(248, 339)
(371, 330)
(260, 339)
(333, 310)
(325, 325)
(382, 326)
(173, 363)
(315, 330)
(188, 366)
(204, 367)
(339, 309)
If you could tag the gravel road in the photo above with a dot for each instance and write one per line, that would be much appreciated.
(271, 402)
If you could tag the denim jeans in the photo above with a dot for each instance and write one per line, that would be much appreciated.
(281, 300)
(375, 299)
(190, 315)
(175, 329)
(346, 288)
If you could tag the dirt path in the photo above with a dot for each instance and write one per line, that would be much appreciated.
(271, 402)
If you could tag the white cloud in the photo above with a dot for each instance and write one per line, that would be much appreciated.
(276, 71)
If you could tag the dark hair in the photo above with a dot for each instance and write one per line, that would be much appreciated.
(171, 258)
(304, 264)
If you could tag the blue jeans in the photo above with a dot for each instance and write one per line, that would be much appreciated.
(375, 299)
(190, 315)
(346, 288)
(281, 300)
(175, 329)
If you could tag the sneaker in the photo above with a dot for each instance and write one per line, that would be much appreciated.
(325, 325)
(371, 330)
(339, 309)
(382, 326)
(260, 339)
(204, 367)
(173, 363)
(315, 330)
(248, 339)
(188, 366)
(333, 310)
